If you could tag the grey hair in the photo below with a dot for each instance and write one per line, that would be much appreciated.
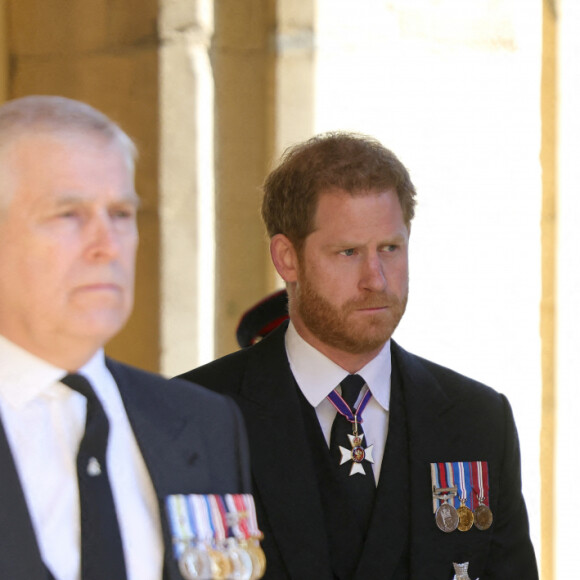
(59, 116)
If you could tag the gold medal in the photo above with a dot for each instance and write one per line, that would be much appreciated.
(220, 564)
(465, 518)
(447, 518)
(483, 517)
(252, 546)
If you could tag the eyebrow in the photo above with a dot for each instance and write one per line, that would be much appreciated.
(75, 198)
(398, 238)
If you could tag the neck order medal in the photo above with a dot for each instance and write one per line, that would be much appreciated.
(357, 452)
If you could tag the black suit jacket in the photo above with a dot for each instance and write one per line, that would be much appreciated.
(436, 415)
(192, 441)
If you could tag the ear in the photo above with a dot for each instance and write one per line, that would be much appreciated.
(284, 257)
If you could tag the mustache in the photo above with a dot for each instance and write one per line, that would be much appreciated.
(377, 300)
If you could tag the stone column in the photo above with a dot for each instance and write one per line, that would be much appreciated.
(106, 54)
(263, 65)
(186, 202)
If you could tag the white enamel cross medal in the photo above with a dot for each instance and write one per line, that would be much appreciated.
(357, 454)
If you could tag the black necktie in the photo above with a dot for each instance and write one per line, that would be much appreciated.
(101, 545)
(359, 488)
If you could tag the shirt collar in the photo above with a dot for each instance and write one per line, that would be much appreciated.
(98, 375)
(24, 376)
(316, 374)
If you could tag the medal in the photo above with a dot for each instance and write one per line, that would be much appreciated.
(471, 479)
(216, 537)
(194, 564)
(464, 513)
(483, 517)
(221, 564)
(465, 518)
(212, 534)
(357, 453)
(444, 493)
(193, 561)
(252, 547)
(447, 518)
(252, 543)
(241, 562)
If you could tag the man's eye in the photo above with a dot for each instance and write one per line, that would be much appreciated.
(68, 214)
(123, 213)
(348, 252)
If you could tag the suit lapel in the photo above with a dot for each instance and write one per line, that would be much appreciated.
(19, 553)
(167, 439)
(282, 459)
(159, 428)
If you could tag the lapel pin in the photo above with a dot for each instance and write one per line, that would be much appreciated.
(94, 467)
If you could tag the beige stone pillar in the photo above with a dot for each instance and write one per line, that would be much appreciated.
(104, 53)
(3, 53)
(186, 184)
(263, 66)
(549, 114)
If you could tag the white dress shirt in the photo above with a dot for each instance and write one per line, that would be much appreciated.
(44, 422)
(317, 376)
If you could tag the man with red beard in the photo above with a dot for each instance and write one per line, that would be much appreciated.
(368, 462)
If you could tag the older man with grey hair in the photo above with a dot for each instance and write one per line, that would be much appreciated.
(89, 447)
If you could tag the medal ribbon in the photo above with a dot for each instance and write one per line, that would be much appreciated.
(202, 517)
(235, 516)
(450, 481)
(243, 512)
(218, 523)
(462, 476)
(436, 485)
(182, 526)
(253, 528)
(340, 405)
(445, 479)
(481, 488)
(224, 516)
(442, 474)
(442, 478)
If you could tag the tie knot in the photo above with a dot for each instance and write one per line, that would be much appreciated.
(80, 384)
(351, 386)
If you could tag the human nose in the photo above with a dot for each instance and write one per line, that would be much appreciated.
(103, 238)
(373, 274)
